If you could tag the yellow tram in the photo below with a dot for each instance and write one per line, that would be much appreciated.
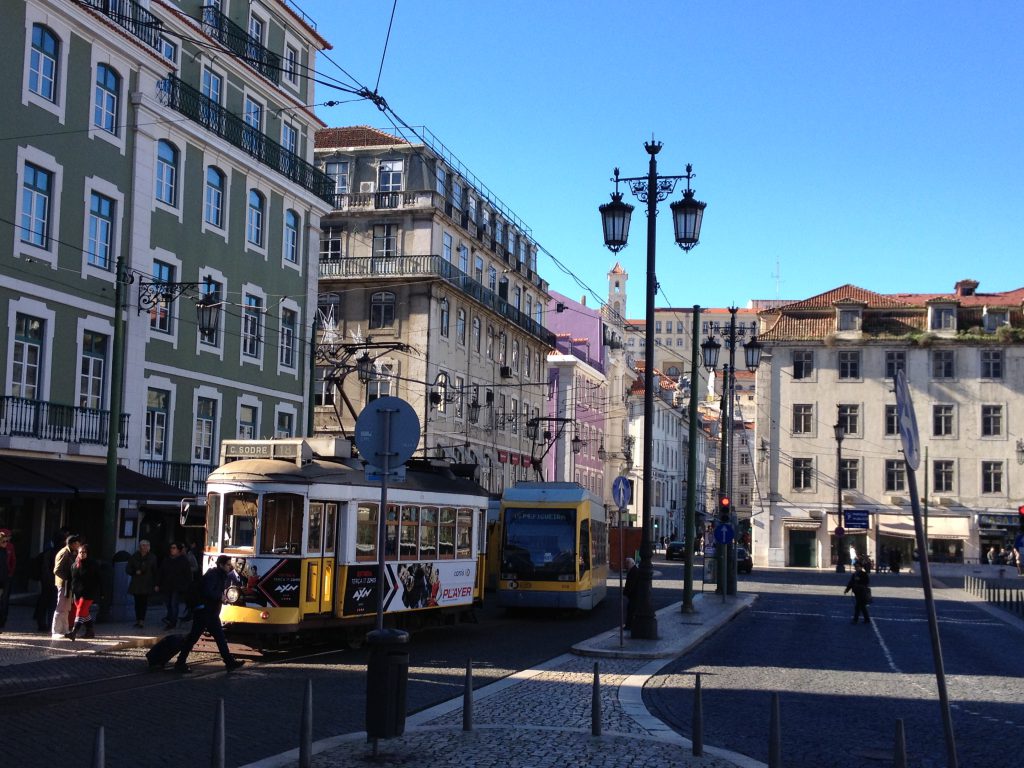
(300, 521)
(554, 547)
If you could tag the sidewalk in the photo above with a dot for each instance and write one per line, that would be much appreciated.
(541, 718)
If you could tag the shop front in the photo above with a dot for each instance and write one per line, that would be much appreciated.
(896, 542)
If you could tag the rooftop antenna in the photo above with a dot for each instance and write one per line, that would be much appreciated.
(777, 274)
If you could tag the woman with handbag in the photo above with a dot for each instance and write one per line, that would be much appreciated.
(860, 585)
(85, 587)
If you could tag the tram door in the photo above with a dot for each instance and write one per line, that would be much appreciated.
(318, 563)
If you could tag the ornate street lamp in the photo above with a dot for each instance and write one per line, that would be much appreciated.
(364, 368)
(840, 559)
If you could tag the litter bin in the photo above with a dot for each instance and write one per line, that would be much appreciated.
(387, 676)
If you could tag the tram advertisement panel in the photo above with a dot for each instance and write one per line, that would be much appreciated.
(409, 586)
(267, 581)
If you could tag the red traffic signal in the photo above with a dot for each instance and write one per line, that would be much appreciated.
(724, 507)
(1020, 510)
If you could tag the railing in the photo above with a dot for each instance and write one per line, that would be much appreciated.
(997, 591)
(132, 17)
(20, 417)
(378, 201)
(224, 30)
(190, 478)
(417, 266)
(188, 101)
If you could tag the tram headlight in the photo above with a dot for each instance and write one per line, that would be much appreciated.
(233, 596)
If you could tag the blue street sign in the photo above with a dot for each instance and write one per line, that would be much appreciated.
(855, 518)
(621, 491)
(724, 533)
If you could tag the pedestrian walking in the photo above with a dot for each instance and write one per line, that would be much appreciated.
(62, 563)
(142, 573)
(85, 588)
(42, 571)
(860, 584)
(629, 590)
(6, 573)
(175, 576)
(206, 615)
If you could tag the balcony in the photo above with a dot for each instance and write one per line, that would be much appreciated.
(358, 202)
(230, 35)
(20, 417)
(432, 266)
(190, 478)
(185, 99)
(131, 16)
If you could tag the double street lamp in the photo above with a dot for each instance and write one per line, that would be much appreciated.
(687, 215)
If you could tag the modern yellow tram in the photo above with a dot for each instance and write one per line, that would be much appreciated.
(300, 520)
(554, 547)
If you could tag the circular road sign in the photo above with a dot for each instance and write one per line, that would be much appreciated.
(620, 491)
(403, 432)
(840, 532)
(906, 420)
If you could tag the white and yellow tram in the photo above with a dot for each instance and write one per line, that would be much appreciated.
(300, 520)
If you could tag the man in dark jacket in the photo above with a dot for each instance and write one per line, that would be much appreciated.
(206, 615)
(175, 576)
(859, 583)
(629, 591)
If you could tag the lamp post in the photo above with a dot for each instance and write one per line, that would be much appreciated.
(731, 336)
(687, 215)
(840, 558)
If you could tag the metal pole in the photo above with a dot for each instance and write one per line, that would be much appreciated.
(840, 555)
(690, 532)
(720, 549)
(109, 543)
(730, 567)
(622, 604)
(385, 415)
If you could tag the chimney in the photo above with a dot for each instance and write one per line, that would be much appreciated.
(966, 287)
(583, 300)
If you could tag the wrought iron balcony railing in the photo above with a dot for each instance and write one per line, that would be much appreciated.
(251, 50)
(190, 478)
(132, 17)
(185, 99)
(20, 417)
(433, 266)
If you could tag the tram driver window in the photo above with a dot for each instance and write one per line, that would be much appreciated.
(281, 532)
(239, 521)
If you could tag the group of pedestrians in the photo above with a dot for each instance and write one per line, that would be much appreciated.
(170, 580)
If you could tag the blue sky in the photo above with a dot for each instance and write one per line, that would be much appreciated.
(873, 143)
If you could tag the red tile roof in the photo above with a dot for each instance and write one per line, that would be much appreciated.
(355, 136)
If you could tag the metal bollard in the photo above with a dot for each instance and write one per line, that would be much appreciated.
(595, 704)
(467, 698)
(697, 725)
(775, 735)
(99, 758)
(306, 728)
(899, 752)
(217, 752)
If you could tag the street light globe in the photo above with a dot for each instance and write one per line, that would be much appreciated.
(615, 222)
(687, 215)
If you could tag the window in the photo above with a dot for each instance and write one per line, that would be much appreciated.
(942, 475)
(100, 246)
(337, 170)
(943, 319)
(489, 349)
(446, 247)
(848, 320)
(211, 87)
(213, 291)
(991, 363)
(252, 325)
(515, 355)
(291, 237)
(849, 474)
(849, 419)
(332, 244)
(381, 383)
(366, 532)
(213, 203)
(252, 133)
(36, 206)
(385, 242)
(204, 430)
(254, 218)
(160, 312)
(107, 95)
(995, 318)
(803, 419)
(476, 334)
(291, 64)
(382, 310)
(991, 420)
(445, 317)
(460, 326)
(289, 323)
(167, 173)
(248, 428)
(290, 141)
(324, 393)
(157, 405)
(803, 363)
(991, 477)
(285, 426)
(942, 420)
(943, 364)
(895, 360)
(281, 526)
(849, 364)
(460, 388)
(802, 469)
(168, 49)
(892, 426)
(26, 371)
(43, 69)
(657, 326)
(240, 520)
(464, 259)
(389, 176)
(895, 475)
(526, 364)
(478, 269)
(492, 279)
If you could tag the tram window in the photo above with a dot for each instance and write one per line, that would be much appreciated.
(428, 533)
(600, 538)
(464, 534)
(239, 521)
(366, 532)
(407, 542)
(330, 527)
(314, 539)
(212, 510)
(391, 532)
(446, 534)
(584, 546)
(281, 524)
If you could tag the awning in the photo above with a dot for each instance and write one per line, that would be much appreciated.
(801, 523)
(938, 527)
(23, 476)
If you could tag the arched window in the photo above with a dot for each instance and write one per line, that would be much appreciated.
(460, 326)
(167, 173)
(382, 309)
(476, 335)
(213, 205)
(108, 93)
(43, 67)
(291, 237)
(445, 317)
(254, 218)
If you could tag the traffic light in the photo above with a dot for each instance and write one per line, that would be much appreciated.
(724, 508)
(1020, 515)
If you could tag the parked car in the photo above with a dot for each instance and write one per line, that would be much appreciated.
(744, 563)
(675, 550)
